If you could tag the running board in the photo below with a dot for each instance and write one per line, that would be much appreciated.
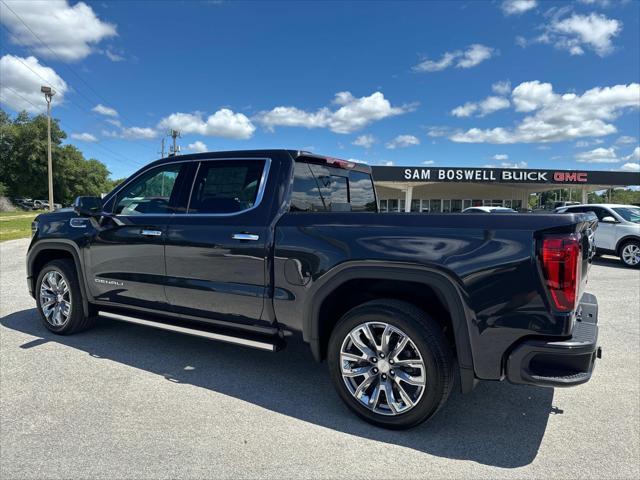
(262, 345)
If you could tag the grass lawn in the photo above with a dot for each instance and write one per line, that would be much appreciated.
(15, 224)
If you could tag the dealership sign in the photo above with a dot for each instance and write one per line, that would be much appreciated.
(503, 175)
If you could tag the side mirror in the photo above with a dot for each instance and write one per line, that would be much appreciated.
(88, 206)
(608, 219)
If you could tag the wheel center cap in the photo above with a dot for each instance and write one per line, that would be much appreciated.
(383, 366)
(59, 298)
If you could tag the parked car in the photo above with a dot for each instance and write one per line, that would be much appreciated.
(252, 247)
(618, 231)
(24, 203)
(488, 209)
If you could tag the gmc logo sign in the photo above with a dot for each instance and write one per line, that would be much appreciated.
(566, 177)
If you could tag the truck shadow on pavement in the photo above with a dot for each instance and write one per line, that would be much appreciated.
(498, 424)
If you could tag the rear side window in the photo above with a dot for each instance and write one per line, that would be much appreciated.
(226, 186)
(317, 188)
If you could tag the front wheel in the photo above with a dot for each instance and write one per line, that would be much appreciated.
(60, 299)
(390, 363)
(630, 253)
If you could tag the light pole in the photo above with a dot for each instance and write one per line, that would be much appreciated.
(48, 95)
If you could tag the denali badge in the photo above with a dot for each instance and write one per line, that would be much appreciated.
(108, 282)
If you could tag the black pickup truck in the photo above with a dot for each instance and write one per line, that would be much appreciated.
(257, 248)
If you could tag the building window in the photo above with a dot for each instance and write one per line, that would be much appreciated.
(517, 204)
(415, 205)
(402, 204)
(383, 206)
(435, 205)
(507, 203)
(466, 203)
(446, 205)
(393, 204)
(456, 206)
(476, 203)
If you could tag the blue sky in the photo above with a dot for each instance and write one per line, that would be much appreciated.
(528, 83)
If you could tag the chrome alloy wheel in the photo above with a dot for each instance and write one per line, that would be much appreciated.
(55, 298)
(631, 254)
(382, 368)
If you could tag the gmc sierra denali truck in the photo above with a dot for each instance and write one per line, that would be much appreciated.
(256, 247)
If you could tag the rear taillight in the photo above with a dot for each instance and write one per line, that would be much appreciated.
(561, 268)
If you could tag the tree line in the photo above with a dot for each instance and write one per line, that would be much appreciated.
(23, 162)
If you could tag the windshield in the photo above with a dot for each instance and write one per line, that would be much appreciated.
(629, 214)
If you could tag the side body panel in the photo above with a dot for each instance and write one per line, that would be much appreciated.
(493, 268)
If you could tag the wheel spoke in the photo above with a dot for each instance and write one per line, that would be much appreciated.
(370, 336)
(410, 379)
(356, 371)
(355, 338)
(386, 336)
(404, 395)
(402, 343)
(366, 383)
(375, 397)
(352, 357)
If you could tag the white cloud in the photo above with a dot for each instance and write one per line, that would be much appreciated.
(517, 7)
(21, 82)
(635, 155)
(388, 163)
(514, 164)
(223, 123)
(439, 131)
(84, 137)
(365, 141)
(631, 167)
(475, 55)
(626, 140)
(114, 57)
(500, 156)
(402, 141)
(103, 110)
(428, 162)
(588, 143)
(558, 117)
(472, 56)
(132, 133)
(353, 114)
(502, 88)
(69, 31)
(576, 32)
(485, 107)
(598, 155)
(197, 147)
(600, 3)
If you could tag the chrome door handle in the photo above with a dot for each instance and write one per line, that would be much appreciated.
(151, 233)
(245, 236)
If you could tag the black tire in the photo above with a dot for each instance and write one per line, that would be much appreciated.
(630, 244)
(425, 333)
(76, 320)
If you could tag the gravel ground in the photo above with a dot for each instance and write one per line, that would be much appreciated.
(124, 401)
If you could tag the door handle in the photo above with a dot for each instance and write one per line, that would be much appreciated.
(151, 233)
(245, 236)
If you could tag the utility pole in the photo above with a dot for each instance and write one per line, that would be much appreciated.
(48, 95)
(162, 148)
(174, 134)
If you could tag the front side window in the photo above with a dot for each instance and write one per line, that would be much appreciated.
(629, 214)
(226, 186)
(152, 193)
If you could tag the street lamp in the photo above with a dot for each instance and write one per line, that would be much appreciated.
(48, 95)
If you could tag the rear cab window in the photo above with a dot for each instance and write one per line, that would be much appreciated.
(322, 188)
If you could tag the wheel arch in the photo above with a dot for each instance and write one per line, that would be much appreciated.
(443, 284)
(624, 240)
(44, 252)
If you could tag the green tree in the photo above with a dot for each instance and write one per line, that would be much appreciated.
(23, 161)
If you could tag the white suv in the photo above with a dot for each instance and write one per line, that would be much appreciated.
(618, 231)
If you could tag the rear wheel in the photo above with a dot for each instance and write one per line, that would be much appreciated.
(630, 253)
(390, 363)
(59, 298)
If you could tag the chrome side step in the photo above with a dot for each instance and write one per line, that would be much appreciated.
(271, 347)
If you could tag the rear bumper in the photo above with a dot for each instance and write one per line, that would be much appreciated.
(563, 363)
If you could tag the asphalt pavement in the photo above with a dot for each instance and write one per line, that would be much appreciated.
(125, 401)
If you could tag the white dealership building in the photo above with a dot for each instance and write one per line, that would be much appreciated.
(432, 189)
